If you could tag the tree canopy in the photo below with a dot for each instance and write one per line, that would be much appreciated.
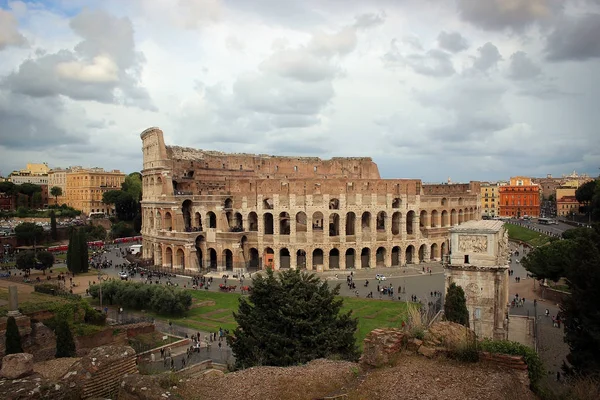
(29, 232)
(455, 306)
(46, 259)
(133, 185)
(56, 191)
(126, 206)
(289, 318)
(26, 260)
(77, 252)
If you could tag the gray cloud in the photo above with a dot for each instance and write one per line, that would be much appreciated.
(434, 62)
(575, 39)
(104, 67)
(453, 41)
(512, 14)
(521, 67)
(488, 57)
(9, 32)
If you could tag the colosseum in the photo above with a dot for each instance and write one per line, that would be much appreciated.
(241, 212)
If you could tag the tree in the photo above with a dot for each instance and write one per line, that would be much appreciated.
(74, 253)
(121, 229)
(36, 200)
(9, 188)
(46, 259)
(455, 307)
(26, 260)
(111, 196)
(548, 262)
(585, 193)
(56, 191)
(291, 318)
(29, 232)
(133, 185)
(65, 345)
(83, 251)
(13, 337)
(126, 206)
(53, 229)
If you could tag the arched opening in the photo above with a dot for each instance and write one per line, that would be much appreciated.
(254, 262)
(186, 209)
(158, 259)
(410, 222)
(334, 258)
(334, 224)
(380, 257)
(381, 217)
(253, 222)
(317, 221)
(212, 258)
(395, 256)
(423, 223)
(396, 223)
(435, 222)
(461, 216)
(433, 253)
(284, 258)
(198, 222)
(422, 251)
(460, 201)
(444, 201)
(350, 224)
(453, 217)
(238, 223)
(150, 220)
(334, 204)
(365, 221)
(200, 242)
(269, 258)
(396, 203)
(445, 220)
(301, 222)
(168, 257)
(301, 259)
(268, 223)
(408, 257)
(444, 249)
(350, 259)
(317, 258)
(212, 220)
(168, 221)
(158, 221)
(228, 205)
(267, 204)
(228, 258)
(365, 257)
(229, 217)
(179, 259)
(284, 223)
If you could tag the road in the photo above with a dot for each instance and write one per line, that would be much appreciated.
(553, 230)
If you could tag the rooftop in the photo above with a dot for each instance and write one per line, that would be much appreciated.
(483, 225)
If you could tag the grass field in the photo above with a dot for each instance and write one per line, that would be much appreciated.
(523, 234)
(212, 310)
(30, 302)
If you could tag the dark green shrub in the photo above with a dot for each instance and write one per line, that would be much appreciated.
(13, 337)
(65, 344)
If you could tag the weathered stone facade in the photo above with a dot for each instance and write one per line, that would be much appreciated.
(238, 212)
(479, 264)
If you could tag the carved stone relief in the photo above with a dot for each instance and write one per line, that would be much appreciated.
(474, 243)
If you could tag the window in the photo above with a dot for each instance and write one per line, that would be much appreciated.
(466, 258)
(478, 313)
(295, 168)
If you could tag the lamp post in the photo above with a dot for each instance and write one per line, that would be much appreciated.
(101, 279)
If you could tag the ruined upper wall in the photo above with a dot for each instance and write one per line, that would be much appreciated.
(455, 188)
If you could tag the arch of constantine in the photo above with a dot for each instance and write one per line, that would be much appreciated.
(237, 212)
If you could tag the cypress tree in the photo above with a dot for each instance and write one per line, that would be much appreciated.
(65, 345)
(53, 229)
(13, 337)
(73, 253)
(455, 307)
(83, 249)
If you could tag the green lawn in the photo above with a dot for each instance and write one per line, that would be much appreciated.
(212, 310)
(533, 238)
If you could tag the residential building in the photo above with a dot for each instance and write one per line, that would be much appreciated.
(36, 174)
(85, 186)
(566, 206)
(58, 177)
(490, 199)
(521, 197)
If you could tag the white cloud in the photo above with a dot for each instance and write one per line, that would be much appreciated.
(9, 32)
(101, 69)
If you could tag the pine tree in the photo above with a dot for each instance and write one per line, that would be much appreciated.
(83, 250)
(53, 229)
(65, 344)
(13, 337)
(455, 307)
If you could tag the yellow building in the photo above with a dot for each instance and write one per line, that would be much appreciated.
(36, 174)
(37, 169)
(58, 177)
(85, 186)
(490, 199)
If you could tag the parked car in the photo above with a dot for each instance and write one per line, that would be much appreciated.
(124, 276)
(380, 277)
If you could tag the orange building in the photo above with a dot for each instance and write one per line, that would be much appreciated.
(519, 198)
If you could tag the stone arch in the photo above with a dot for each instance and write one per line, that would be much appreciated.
(365, 257)
(365, 221)
(397, 202)
(410, 223)
(212, 258)
(254, 259)
(317, 257)
(444, 202)
(334, 224)
(253, 222)
(301, 222)
(445, 219)
(435, 219)
(396, 223)
(410, 252)
(380, 257)
(168, 257)
(453, 217)
(158, 257)
(179, 259)
(334, 204)
(433, 252)
(228, 204)
(422, 251)
(151, 220)
(350, 224)
(284, 258)
(423, 222)
(381, 221)
(317, 221)
(461, 216)
(158, 222)
(334, 258)
(471, 213)
(444, 248)
(212, 219)
(268, 223)
(198, 221)
(186, 210)
(238, 222)
(350, 259)
(199, 244)
(284, 223)
(269, 257)
(460, 201)
(301, 259)
(168, 221)
(228, 259)
(396, 256)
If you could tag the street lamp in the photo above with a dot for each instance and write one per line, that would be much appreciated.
(101, 279)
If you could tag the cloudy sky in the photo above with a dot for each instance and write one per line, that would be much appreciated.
(430, 89)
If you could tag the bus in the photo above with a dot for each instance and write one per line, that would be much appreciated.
(97, 215)
(546, 221)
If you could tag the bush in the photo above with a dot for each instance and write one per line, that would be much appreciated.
(65, 344)
(55, 290)
(13, 337)
(534, 364)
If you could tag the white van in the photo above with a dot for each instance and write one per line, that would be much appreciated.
(135, 249)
